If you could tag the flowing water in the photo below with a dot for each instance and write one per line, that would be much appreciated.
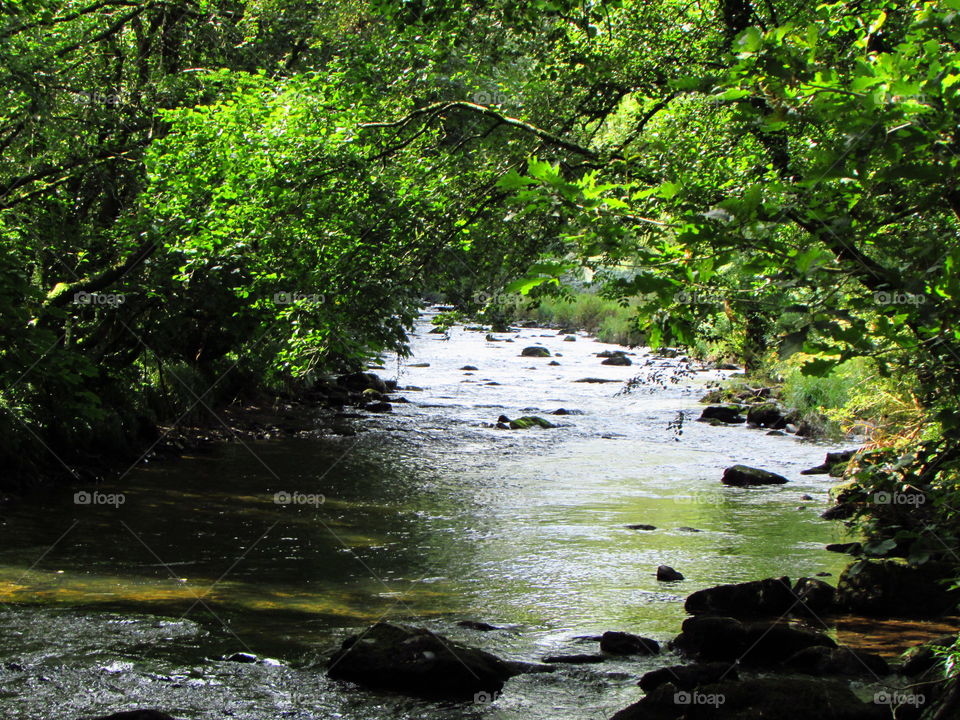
(428, 515)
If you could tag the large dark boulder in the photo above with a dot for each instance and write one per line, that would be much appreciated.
(767, 415)
(137, 715)
(826, 661)
(814, 597)
(745, 476)
(360, 381)
(617, 360)
(756, 699)
(688, 677)
(763, 645)
(756, 598)
(535, 351)
(894, 588)
(622, 643)
(832, 460)
(723, 413)
(415, 661)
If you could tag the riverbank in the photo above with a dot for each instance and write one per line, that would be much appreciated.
(429, 515)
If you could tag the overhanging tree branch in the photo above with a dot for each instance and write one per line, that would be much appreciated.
(442, 108)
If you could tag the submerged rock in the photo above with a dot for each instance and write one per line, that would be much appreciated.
(621, 360)
(415, 661)
(746, 476)
(477, 625)
(581, 659)
(535, 351)
(622, 643)
(641, 526)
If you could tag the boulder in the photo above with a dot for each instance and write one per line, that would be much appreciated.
(687, 677)
(830, 462)
(415, 661)
(745, 476)
(814, 597)
(622, 643)
(641, 526)
(378, 407)
(763, 645)
(622, 360)
(894, 588)
(477, 625)
(360, 381)
(767, 415)
(525, 422)
(826, 661)
(755, 699)
(535, 351)
(665, 573)
(137, 715)
(757, 598)
(570, 338)
(723, 413)
(469, 368)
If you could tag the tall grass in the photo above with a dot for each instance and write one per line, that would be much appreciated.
(610, 321)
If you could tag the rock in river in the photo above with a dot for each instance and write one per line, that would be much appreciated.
(622, 643)
(415, 661)
(756, 598)
(535, 351)
(137, 715)
(525, 422)
(745, 476)
(665, 573)
(762, 644)
(687, 677)
(723, 413)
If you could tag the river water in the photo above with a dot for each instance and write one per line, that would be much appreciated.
(429, 515)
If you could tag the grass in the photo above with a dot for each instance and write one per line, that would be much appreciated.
(610, 321)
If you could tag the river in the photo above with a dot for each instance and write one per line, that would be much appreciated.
(428, 515)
